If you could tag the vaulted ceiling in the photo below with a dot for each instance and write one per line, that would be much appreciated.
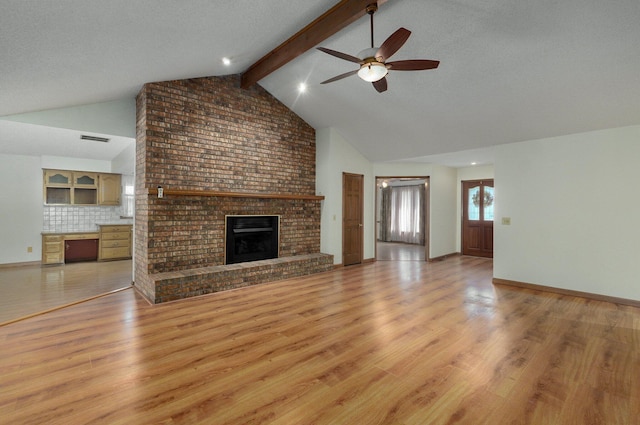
(509, 70)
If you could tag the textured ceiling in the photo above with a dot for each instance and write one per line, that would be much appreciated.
(510, 70)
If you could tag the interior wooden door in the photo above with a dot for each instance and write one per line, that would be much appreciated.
(352, 218)
(477, 218)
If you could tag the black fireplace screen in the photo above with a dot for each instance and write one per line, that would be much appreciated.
(251, 238)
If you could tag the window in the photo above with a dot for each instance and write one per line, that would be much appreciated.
(402, 214)
(128, 197)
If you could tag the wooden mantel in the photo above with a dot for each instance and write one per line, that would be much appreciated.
(213, 193)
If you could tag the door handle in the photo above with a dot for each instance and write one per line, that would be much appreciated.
(360, 224)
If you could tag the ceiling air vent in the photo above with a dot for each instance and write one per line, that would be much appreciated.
(94, 138)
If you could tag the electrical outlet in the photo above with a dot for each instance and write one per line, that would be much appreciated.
(506, 221)
(29, 249)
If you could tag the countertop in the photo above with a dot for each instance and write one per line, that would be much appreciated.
(123, 222)
(93, 229)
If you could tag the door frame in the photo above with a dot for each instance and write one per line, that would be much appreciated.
(462, 216)
(427, 207)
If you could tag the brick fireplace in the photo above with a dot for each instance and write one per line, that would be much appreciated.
(218, 150)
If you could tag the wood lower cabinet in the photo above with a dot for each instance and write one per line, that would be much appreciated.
(76, 250)
(115, 242)
(52, 249)
(55, 247)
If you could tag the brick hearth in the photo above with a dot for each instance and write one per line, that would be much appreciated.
(205, 280)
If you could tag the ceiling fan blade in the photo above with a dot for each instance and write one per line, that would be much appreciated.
(340, 77)
(380, 85)
(340, 55)
(412, 65)
(392, 44)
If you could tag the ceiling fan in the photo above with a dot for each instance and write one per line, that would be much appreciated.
(372, 61)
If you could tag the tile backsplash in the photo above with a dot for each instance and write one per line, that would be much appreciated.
(62, 218)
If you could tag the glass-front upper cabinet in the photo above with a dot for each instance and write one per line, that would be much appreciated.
(57, 187)
(85, 188)
(58, 178)
(85, 180)
(63, 187)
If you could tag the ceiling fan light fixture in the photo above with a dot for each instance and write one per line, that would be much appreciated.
(373, 71)
(373, 61)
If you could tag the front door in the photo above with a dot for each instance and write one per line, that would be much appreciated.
(352, 218)
(477, 218)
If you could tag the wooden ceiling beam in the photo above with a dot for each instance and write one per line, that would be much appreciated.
(326, 25)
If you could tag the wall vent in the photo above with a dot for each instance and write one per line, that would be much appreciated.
(94, 138)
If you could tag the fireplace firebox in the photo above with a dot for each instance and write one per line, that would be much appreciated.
(251, 238)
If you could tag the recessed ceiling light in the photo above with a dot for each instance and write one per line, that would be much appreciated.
(226, 61)
(302, 87)
(473, 163)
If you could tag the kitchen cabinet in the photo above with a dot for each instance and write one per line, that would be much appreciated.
(109, 189)
(85, 188)
(56, 245)
(80, 250)
(52, 249)
(58, 178)
(85, 180)
(115, 242)
(64, 187)
(57, 186)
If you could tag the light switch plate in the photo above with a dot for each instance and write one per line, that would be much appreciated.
(506, 221)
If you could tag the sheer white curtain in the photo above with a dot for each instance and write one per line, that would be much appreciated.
(128, 198)
(406, 221)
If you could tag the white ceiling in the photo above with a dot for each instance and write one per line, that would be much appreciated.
(510, 70)
(31, 139)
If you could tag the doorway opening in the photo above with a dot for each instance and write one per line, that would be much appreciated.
(402, 218)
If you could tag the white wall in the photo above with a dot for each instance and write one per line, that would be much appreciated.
(80, 164)
(402, 169)
(464, 174)
(574, 207)
(125, 162)
(333, 157)
(20, 208)
(443, 219)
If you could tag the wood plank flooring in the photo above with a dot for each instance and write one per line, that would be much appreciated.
(394, 251)
(404, 342)
(30, 289)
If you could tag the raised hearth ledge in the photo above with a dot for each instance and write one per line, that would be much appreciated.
(213, 193)
(170, 286)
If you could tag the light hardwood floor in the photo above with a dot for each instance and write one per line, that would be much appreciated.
(391, 342)
(30, 289)
(393, 251)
